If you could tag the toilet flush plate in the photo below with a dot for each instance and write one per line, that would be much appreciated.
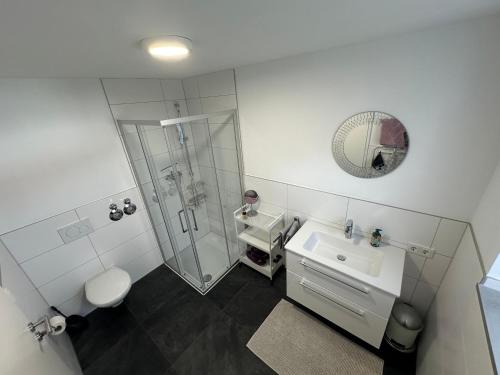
(76, 230)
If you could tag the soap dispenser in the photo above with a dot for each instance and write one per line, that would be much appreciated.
(376, 238)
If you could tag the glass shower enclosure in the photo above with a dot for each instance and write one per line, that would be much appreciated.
(190, 187)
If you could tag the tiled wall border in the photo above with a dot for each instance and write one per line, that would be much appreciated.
(128, 243)
(422, 276)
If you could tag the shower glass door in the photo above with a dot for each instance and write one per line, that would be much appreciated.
(147, 151)
(202, 212)
(166, 176)
(189, 177)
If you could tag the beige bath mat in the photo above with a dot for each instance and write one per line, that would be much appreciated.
(292, 342)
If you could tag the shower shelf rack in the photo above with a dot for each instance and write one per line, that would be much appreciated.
(259, 232)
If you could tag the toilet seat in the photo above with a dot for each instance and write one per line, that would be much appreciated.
(108, 288)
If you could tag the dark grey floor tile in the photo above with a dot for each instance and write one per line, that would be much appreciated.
(397, 363)
(252, 276)
(159, 287)
(227, 288)
(176, 325)
(220, 349)
(164, 321)
(106, 328)
(279, 281)
(133, 355)
(252, 304)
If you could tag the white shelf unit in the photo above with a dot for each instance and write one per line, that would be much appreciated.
(260, 231)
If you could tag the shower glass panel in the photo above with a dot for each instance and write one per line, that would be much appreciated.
(167, 171)
(194, 188)
(191, 148)
(140, 145)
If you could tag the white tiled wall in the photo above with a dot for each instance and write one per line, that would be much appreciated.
(399, 226)
(62, 149)
(37, 238)
(154, 99)
(317, 204)
(54, 263)
(139, 111)
(454, 339)
(120, 91)
(172, 89)
(58, 271)
(144, 99)
(19, 285)
(212, 93)
(422, 276)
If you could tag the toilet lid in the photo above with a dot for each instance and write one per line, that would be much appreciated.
(107, 287)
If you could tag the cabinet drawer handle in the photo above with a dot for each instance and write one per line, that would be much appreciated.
(359, 288)
(346, 306)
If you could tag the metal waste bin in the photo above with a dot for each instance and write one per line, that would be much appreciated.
(403, 328)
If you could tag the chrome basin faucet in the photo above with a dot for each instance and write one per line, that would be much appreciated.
(348, 228)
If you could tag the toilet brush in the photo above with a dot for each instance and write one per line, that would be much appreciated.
(74, 323)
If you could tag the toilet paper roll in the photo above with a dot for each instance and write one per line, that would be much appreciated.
(58, 324)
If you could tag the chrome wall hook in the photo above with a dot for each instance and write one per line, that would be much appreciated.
(128, 208)
(40, 334)
(115, 214)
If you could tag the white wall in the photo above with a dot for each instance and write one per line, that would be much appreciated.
(454, 340)
(443, 84)
(20, 286)
(15, 282)
(59, 148)
(63, 162)
(486, 221)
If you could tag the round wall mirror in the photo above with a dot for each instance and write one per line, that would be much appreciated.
(370, 144)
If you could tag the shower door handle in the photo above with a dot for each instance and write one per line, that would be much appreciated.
(194, 220)
(180, 219)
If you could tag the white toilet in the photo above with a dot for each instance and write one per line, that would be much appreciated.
(109, 288)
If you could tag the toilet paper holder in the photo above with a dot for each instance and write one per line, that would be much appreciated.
(43, 327)
(46, 329)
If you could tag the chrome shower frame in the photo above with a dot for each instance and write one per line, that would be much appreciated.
(164, 124)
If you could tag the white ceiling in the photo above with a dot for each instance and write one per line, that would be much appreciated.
(99, 38)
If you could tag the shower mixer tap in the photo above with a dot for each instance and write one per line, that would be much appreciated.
(171, 176)
(168, 166)
(115, 214)
(129, 208)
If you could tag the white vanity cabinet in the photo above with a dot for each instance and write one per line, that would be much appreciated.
(351, 304)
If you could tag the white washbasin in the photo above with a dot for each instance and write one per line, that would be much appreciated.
(380, 267)
(345, 253)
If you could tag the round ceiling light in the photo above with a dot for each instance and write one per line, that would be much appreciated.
(171, 47)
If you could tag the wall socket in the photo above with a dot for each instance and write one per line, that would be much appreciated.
(420, 250)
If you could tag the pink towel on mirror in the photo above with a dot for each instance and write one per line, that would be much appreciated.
(392, 133)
